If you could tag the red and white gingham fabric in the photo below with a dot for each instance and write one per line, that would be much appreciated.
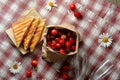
(98, 17)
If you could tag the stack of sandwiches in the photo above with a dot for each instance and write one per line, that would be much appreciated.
(27, 31)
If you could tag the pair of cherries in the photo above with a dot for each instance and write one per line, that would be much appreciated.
(65, 70)
(34, 63)
(76, 13)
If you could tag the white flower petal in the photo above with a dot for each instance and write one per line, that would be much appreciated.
(108, 44)
(101, 44)
(100, 40)
(19, 63)
(105, 45)
(107, 35)
(55, 5)
(101, 36)
(110, 39)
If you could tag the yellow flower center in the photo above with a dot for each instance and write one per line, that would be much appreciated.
(15, 66)
(105, 39)
(51, 4)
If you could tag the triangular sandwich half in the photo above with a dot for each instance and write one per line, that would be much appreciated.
(20, 28)
(37, 36)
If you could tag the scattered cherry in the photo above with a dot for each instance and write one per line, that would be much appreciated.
(77, 14)
(66, 68)
(54, 32)
(34, 63)
(72, 6)
(28, 74)
(65, 76)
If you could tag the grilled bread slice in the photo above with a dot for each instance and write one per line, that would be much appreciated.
(37, 35)
(30, 33)
(20, 28)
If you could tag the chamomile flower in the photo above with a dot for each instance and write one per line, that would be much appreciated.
(105, 40)
(15, 67)
(51, 4)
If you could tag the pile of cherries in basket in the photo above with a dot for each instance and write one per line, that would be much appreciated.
(61, 40)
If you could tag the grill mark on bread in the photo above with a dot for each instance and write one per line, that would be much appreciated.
(22, 26)
(30, 33)
(18, 32)
(37, 35)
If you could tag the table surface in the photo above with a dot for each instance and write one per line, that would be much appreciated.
(98, 17)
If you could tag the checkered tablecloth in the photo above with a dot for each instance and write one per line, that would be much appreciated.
(98, 17)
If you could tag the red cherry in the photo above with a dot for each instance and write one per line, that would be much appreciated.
(66, 68)
(62, 42)
(54, 32)
(67, 45)
(57, 45)
(62, 51)
(77, 15)
(52, 45)
(34, 63)
(57, 39)
(28, 74)
(71, 40)
(65, 76)
(72, 6)
(73, 47)
(69, 34)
